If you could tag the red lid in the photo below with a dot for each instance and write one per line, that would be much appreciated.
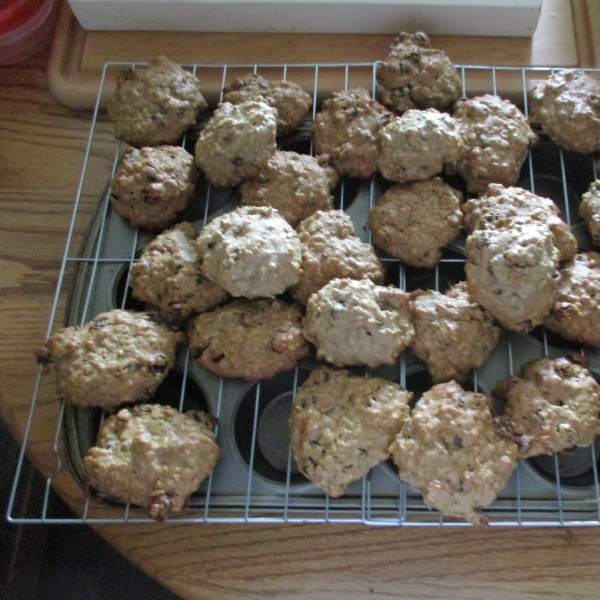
(15, 13)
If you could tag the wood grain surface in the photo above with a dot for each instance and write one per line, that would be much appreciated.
(41, 151)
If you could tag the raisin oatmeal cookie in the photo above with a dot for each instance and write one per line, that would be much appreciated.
(330, 250)
(156, 104)
(415, 75)
(554, 406)
(152, 186)
(347, 129)
(251, 339)
(455, 452)
(152, 456)
(341, 426)
(452, 333)
(118, 357)
(358, 323)
(250, 252)
(589, 210)
(167, 275)
(295, 184)
(414, 221)
(289, 99)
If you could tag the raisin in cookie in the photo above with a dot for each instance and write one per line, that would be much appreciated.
(452, 333)
(250, 252)
(358, 323)
(415, 75)
(513, 273)
(152, 456)
(497, 137)
(237, 142)
(418, 145)
(167, 275)
(341, 426)
(295, 184)
(156, 104)
(553, 406)
(347, 129)
(152, 186)
(251, 339)
(576, 313)
(414, 221)
(455, 452)
(567, 106)
(589, 210)
(500, 205)
(289, 99)
(118, 357)
(330, 250)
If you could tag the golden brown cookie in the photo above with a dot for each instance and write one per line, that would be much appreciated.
(589, 210)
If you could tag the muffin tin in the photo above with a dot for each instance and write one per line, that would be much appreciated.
(256, 478)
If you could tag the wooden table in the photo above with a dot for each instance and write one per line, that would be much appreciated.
(41, 149)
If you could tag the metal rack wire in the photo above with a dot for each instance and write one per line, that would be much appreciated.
(256, 479)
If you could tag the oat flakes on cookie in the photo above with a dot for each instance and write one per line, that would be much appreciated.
(156, 104)
(237, 142)
(152, 456)
(567, 106)
(499, 206)
(120, 356)
(250, 252)
(347, 129)
(151, 186)
(553, 406)
(497, 137)
(295, 184)
(415, 75)
(289, 99)
(589, 210)
(358, 323)
(413, 221)
(341, 426)
(455, 452)
(167, 275)
(251, 339)
(576, 313)
(513, 273)
(330, 250)
(453, 334)
(416, 146)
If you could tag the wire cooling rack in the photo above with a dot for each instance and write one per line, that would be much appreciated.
(256, 479)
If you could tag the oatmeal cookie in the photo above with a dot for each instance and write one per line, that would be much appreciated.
(118, 357)
(295, 184)
(237, 142)
(250, 252)
(497, 137)
(330, 250)
(358, 323)
(152, 186)
(452, 333)
(415, 75)
(156, 104)
(347, 129)
(341, 426)
(413, 221)
(554, 406)
(455, 451)
(500, 205)
(576, 313)
(418, 145)
(289, 99)
(167, 275)
(251, 339)
(513, 273)
(152, 456)
(589, 210)
(567, 106)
